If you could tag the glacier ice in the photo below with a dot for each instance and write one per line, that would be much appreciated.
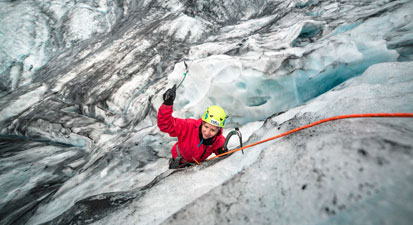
(33, 32)
(81, 82)
(351, 171)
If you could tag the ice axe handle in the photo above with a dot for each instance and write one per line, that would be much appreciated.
(170, 94)
(185, 73)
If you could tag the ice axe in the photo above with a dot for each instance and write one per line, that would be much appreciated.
(237, 132)
(175, 87)
(186, 72)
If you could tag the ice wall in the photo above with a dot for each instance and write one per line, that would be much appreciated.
(33, 32)
(286, 77)
(355, 171)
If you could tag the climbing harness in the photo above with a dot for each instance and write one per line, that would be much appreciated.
(317, 123)
(176, 163)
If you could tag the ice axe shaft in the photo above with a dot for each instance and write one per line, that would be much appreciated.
(186, 72)
(175, 87)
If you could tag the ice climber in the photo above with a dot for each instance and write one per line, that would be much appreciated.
(197, 139)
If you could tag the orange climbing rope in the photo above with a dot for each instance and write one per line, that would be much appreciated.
(317, 123)
(195, 160)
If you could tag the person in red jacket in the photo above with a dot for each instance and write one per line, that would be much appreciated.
(197, 139)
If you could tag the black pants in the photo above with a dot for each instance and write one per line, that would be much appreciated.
(178, 162)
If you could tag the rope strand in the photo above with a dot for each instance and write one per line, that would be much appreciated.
(317, 123)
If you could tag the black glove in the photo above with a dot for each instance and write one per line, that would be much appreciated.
(169, 96)
(174, 163)
(222, 150)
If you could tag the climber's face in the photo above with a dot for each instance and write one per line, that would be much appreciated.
(208, 130)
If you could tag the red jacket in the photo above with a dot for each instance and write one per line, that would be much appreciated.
(187, 131)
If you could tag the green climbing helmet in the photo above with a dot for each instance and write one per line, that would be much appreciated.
(215, 115)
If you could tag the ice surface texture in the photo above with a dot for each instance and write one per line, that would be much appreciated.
(80, 83)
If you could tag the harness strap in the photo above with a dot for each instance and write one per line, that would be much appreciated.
(176, 163)
(179, 157)
(177, 151)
